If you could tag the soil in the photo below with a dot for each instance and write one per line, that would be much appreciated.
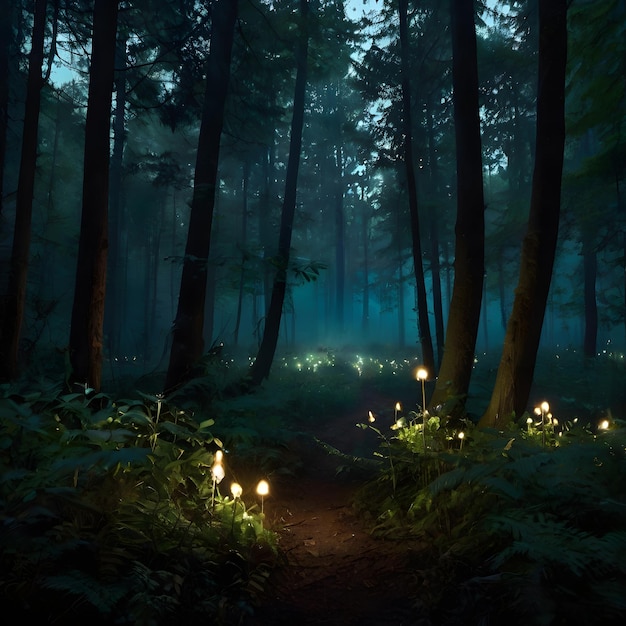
(333, 570)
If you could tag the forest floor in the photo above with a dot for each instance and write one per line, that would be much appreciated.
(333, 571)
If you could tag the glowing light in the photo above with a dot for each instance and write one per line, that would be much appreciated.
(461, 436)
(604, 424)
(218, 473)
(263, 488)
(219, 455)
(370, 416)
(543, 410)
(422, 375)
(236, 490)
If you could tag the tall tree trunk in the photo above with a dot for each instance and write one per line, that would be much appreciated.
(50, 250)
(517, 364)
(6, 22)
(212, 278)
(89, 292)
(187, 333)
(263, 363)
(462, 329)
(365, 311)
(340, 240)
(152, 257)
(243, 244)
(433, 224)
(590, 271)
(426, 342)
(501, 287)
(337, 121)
(116, 287)
(401, 310)
(265, 202)
(15, 300)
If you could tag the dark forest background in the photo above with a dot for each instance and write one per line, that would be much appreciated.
(351, 267)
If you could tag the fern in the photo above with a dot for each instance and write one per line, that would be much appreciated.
(103, 597)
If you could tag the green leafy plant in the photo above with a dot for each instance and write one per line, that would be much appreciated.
(520, 532)
(109, 513)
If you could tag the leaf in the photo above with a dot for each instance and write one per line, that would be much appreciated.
(102, 597)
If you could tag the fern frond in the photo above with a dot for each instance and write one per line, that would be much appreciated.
(543, 539)
(102, 597)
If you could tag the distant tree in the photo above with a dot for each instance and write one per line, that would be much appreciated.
(462, 328)
(15, 299)
(188, 329)
(6, 27)
(595, 175)
(519, 354)
(86, 332)
(338, 123)
(507, 58)
(434, 185)
(425, 337)
(242, 243)
(590, 274)
(262, 365)
(114, 319)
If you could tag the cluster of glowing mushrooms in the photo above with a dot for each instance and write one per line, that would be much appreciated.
(218, 473)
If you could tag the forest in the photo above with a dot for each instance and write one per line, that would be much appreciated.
(295, 290)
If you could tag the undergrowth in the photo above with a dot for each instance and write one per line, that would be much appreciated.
(111, 513)
(525, 526)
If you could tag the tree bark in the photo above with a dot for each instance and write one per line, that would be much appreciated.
(517, 364)
(6, 21)
(15, 300)
(433, 231)
(590, 271)
(262, 365)
(188, 328)
(365, 310)
(243, 242)
(340, 238)
(115, 312)
(86, 334)
(425, 339)
(462, 328)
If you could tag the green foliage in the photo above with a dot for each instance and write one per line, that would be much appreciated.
(522, 530)
(111, 512)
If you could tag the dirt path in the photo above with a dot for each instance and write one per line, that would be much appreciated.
(335, 571)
